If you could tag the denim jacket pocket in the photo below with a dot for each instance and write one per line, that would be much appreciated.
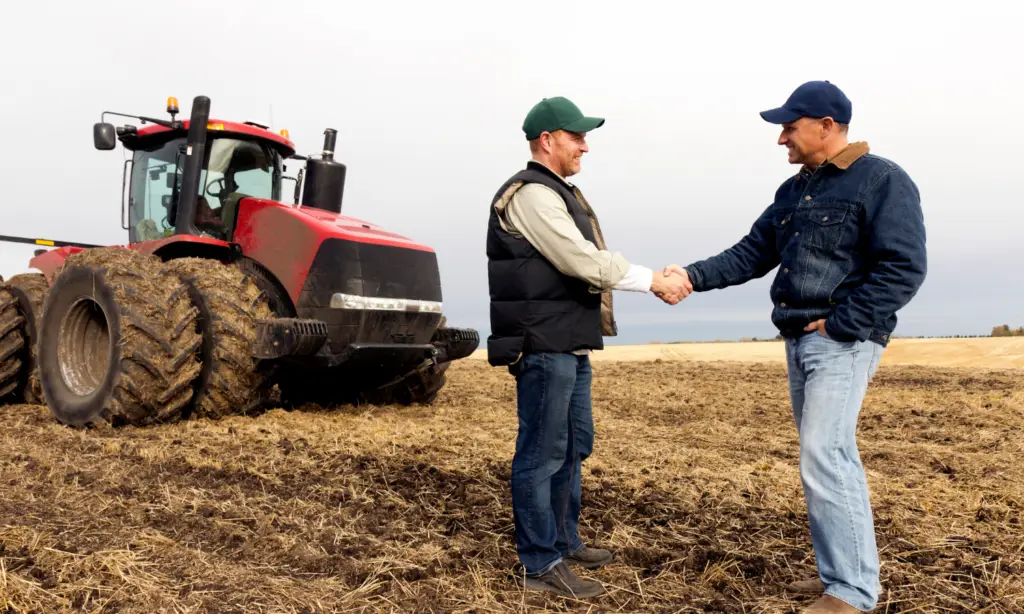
(782, 221)
(826, 226)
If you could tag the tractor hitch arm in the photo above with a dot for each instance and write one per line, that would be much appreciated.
(45, 242)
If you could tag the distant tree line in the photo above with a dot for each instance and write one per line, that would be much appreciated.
(1006, 331)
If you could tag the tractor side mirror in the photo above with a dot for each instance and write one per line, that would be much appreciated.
(103, 136)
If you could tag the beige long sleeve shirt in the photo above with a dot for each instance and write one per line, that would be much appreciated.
(537, 213)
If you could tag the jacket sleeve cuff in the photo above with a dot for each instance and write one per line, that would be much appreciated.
(637, 279)
(696, 279)
(838, 332)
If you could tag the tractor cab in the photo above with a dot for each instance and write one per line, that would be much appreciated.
(233, 168)
(188, 178)
(237, 160)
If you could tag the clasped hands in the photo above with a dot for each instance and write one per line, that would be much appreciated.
(672, 284)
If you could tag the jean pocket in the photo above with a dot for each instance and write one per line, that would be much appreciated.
(835, 343)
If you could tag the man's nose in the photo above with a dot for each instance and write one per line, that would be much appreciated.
(584, 147)
(782, 138)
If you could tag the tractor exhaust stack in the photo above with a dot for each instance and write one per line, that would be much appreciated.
(325, 178)
(195, 152)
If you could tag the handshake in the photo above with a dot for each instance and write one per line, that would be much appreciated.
(672, 284)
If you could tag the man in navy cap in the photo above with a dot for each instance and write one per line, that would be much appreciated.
(847, 235)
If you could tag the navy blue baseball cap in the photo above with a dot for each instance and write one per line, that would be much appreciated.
(815, 99)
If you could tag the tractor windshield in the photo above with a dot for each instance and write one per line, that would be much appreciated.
(233, 169)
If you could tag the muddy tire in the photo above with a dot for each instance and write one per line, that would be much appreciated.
(419, 388)
(12, 347)
(30, 289)
(231, 381)
(118, 340)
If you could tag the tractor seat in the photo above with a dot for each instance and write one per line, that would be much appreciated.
(229, 208)
(146, 230)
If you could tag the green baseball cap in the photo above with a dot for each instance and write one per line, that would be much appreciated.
(557, 113)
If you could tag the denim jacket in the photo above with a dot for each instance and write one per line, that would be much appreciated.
(849, 241)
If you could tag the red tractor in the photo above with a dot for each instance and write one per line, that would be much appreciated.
(224, 290)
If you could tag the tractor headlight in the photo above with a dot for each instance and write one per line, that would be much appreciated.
(376, 303)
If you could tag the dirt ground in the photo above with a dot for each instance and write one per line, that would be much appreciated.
(694, 484)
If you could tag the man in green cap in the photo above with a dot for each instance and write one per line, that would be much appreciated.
(550, 279)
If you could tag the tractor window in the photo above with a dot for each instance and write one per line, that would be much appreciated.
(153, 177)
(235, 170)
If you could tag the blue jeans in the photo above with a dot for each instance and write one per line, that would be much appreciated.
(556, 433)
(827, 383)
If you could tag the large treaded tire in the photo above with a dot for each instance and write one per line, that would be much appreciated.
(12, 346)
(419, 388)
(231, 380)
(31, 289)
(276, 295)
(118, 340)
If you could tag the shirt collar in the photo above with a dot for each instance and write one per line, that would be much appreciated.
(548, 169)
(849, 154)
(845, 158)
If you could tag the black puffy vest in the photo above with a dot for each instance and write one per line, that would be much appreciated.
(534, 307)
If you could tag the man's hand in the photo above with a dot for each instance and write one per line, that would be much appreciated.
(672, 286)
(675, 268)
(817, 325)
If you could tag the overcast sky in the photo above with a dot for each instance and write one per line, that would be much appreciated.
(428, 99)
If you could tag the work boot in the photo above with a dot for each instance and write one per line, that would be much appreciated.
(562, 581)
(589, 558)
(828, 604)
(813, 586)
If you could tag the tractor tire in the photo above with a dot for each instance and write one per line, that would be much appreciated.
(30, 289)
(231, 380)
(418, 388)
(118, 341)
(12, 346)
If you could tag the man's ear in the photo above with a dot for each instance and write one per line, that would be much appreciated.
(828, 126)
(547, 141)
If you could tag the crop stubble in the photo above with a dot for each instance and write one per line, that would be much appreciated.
(694, 483)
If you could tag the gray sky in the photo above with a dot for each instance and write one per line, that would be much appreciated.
(428, 99)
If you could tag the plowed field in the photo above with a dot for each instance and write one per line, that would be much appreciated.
(694, 484)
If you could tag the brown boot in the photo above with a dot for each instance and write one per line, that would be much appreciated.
(812, 586)
(562, 581)
(828, 604)
(589, 558)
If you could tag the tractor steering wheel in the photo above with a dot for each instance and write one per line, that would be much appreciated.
(219, 191)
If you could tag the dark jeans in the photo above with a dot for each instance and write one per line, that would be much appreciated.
(556, 433)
